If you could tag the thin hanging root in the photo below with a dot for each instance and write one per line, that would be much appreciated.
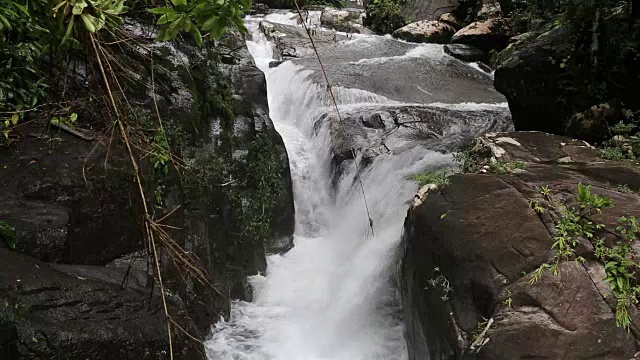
(335, 104)
(136, 170)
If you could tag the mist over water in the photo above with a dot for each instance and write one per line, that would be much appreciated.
(332, 297)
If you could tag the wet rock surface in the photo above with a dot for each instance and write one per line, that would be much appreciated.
(480, 233)
(492, 34)
(49, 314)
(465, 52)
(426, 31)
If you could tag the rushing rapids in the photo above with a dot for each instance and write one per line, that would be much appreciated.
(333, 295)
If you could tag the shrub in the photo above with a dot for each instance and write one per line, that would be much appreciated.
(439, 177)
(384, 16)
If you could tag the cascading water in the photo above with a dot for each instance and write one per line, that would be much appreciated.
(331, 297)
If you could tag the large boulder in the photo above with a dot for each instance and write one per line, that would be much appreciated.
(83, 312)
(465, 52)
(529, 75)
(426, 31)
(451, 19)
(478, 240)
(492, 34)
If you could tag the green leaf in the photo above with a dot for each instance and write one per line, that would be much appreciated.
(161, 10)
(73, 117)
(197, 37)
(67, 33)
(179, 2)
(78, 7)
(14, 118)
(8, 235)
(88, 22)
(210, 23)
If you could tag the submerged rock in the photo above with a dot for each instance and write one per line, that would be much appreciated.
(492, 34)
(487, 261)
(426, 31)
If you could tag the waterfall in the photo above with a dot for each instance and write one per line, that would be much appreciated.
(332, 297)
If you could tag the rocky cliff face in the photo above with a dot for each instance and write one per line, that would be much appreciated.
(469, 249)
(73, 203)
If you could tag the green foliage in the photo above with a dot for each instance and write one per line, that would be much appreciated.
(63, 120)
(21, 50)
(439, 177)
(571, 225)
(88, 15)
(620, 260)
(8, 235)
(620, 267)
(613, 153)
(159, 153)
(479, 158)
(504, 167)
(264, 179)
(625, 141)
(473, 159)
(200, 18)
(384, 16)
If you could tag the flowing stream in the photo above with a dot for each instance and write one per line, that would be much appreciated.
(331, 297)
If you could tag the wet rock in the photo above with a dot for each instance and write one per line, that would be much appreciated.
(293, 41)
(51, 314)
(466, 53)
(451, 19)
(389, 128)
(426, 31)
(492, 34)
(488, 261)
(528, 76)
(55, 206)
(374, 121)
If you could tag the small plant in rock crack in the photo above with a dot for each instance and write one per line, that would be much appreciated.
(508, 301)
(442, 283)
(159, 153)
(504, 167)
(439, 177)
(624, 144)
(473, 159)
(571, 225)
(545, 191)
(620, 264)
(535, 205)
